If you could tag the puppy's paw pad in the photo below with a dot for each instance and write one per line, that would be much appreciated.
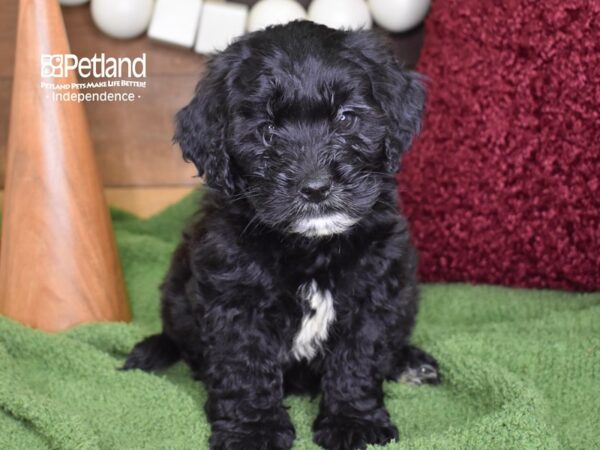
(415, 366)
(422, 374)
(350, 434)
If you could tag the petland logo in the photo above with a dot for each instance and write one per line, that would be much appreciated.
(98, 66)
(68, 78)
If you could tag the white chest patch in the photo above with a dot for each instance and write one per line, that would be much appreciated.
(315, 323)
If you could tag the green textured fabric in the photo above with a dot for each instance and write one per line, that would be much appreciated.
(521, 370)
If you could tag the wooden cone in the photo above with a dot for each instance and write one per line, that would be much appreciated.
(58, 265)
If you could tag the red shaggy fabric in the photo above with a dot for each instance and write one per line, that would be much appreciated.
(503, 185)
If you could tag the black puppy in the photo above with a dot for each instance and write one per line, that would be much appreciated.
(299, 276)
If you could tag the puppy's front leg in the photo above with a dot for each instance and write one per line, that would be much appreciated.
(352, 413)
(245, 391)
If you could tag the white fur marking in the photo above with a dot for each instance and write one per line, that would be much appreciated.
(315, 326)
(324, 225)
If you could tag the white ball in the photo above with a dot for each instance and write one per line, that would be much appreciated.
(122, 19)
(348, 14)
(73, 2)
(399, 15)
(274, 12)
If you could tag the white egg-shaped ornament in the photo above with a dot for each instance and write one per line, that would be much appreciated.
(399, 15)
(274, 12)
(122, 19)
(346, 14)
(73, 2)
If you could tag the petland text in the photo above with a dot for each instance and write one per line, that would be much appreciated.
(98, 66)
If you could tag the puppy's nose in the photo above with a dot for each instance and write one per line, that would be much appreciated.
(316, 188)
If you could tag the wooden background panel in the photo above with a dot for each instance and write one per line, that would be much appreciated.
(8, 34)
(132, 141)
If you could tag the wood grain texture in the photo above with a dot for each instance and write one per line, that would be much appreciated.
(132, 141)
(58, 263)
(144, 201)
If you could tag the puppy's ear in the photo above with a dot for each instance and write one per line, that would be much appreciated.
(399, 93)
(402, 99)
(201, 126)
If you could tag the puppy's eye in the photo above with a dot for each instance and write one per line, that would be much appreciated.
(345, 119)
(267, 133)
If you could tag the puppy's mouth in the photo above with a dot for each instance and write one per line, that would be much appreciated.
(324, 225)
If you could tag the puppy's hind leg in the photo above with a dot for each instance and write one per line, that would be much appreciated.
(160, 350)
(414, 366)
(153, 353)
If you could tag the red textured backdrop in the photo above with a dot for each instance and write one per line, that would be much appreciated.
(503, 185)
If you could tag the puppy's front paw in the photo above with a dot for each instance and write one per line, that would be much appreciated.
(341, 433)
(261, 438)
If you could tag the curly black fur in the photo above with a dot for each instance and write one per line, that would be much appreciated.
(277, 113)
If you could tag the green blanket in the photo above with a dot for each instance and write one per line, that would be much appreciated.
(521, 370)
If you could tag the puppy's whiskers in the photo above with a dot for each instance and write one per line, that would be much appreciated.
(243, 196)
